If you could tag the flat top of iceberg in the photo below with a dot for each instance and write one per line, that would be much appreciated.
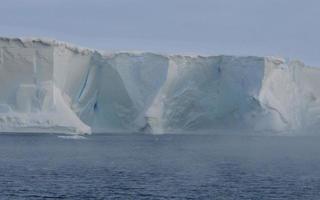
(30, 41)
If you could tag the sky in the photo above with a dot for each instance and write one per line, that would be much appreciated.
(286, 28)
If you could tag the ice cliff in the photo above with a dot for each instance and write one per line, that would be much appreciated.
(50, 86)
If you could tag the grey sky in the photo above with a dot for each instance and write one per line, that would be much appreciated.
(289, 28)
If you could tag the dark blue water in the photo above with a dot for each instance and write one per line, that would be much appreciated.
(159, 167)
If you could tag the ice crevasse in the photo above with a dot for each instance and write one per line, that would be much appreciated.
(55, 87)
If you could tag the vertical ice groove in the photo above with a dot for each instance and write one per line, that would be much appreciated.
(83, 85)
(1, 56)
(35, 68)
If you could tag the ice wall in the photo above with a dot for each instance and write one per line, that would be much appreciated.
(205, 93)
(49, 86)
(31, 99)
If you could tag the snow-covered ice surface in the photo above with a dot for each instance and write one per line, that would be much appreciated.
(50, 86)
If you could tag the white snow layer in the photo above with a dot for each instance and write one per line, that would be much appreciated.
(49, 86)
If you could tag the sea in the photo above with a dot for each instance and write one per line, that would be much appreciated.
(140, 166)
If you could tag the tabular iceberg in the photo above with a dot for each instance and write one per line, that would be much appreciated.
(50, 86)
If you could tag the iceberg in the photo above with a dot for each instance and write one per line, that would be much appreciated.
(55, 87)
